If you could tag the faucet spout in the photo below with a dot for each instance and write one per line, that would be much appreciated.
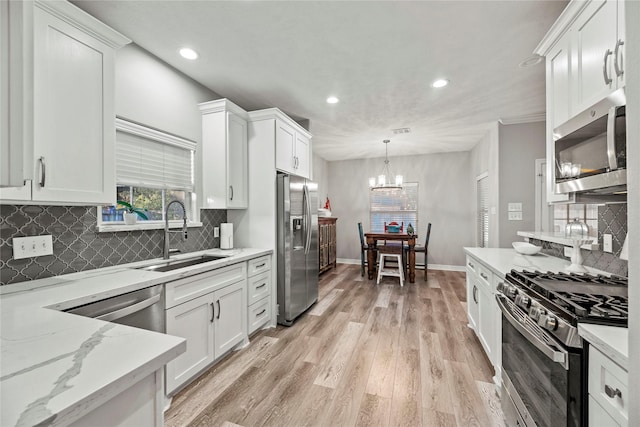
(165, 252)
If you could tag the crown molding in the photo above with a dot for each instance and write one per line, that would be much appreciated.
(527, 118)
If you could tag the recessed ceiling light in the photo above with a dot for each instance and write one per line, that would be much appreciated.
(440, 83)
(531, 61)
(188, 53)
(332, 100)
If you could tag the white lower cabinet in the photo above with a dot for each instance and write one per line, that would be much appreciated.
(259, 294)
(212, 324)
(608, 391)
(483, 311)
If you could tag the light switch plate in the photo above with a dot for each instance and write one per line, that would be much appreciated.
(515, 216)
(32, 246)
(607, 243)
(216, 231)
(515, 207)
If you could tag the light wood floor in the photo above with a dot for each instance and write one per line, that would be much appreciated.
(364, 355)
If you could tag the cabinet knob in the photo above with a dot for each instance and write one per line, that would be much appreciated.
(609, 391)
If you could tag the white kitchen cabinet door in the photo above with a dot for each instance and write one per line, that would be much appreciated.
(224, 156)
(594, 40)
(598, 417)
(194, 321)
(486, 323)
(285, 147)
(74, 114)
(238, 165)
(473, 310)
(558, 87)
(231, 317)
(303, 155)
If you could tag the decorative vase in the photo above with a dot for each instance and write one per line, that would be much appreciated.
(130, 218)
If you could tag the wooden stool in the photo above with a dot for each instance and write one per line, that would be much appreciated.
(394, 272)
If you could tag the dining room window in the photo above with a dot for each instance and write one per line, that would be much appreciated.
(394, 204)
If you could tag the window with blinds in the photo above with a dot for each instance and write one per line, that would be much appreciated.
(397, 204)
(482, 191)
(152, 169)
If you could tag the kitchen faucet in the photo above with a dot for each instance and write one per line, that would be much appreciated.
(166, 250)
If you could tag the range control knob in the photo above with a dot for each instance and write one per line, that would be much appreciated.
(523, 301)
(536, 312)
(501, 287)
(511, 291)
(550, 323)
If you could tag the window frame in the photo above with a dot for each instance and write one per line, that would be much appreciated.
(482, 211)
(372, 212)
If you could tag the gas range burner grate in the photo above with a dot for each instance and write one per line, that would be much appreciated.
(584, 297)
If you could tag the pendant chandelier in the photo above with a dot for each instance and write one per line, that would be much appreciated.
(386, 180)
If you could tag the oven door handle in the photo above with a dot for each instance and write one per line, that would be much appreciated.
(558, 356)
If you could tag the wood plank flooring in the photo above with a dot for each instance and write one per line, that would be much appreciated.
(364, 355)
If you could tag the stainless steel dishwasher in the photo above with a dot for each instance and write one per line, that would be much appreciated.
(143, 309)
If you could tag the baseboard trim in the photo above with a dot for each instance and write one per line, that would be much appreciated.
(443, 267)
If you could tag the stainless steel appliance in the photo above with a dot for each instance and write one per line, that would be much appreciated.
(298, 261)
(143, 309)
(591, 149)
(543, 357)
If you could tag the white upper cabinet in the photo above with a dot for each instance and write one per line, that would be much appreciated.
(293, 149)
(598, 56)
(224, 156)
(71, 154)
(558, 93)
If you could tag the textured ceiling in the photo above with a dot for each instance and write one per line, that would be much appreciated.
(378, 57)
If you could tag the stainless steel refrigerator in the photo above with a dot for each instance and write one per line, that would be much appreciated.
(298, 262)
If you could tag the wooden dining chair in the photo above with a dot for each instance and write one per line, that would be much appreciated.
(363, 250)
(425, 249)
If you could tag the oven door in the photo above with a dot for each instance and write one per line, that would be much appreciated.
(542, 379)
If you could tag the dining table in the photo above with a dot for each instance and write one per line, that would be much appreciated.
(372, 250)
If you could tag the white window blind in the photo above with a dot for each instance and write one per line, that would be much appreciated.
(483, 211)
(149, 158)
(399, 205)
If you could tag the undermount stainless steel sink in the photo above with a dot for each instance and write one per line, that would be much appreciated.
(180, 263)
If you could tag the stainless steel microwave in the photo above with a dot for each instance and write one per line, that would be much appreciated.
(591, 149)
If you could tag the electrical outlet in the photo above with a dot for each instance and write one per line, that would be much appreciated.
(32, 246)
(216, 231)
(515, 216)
(607, 243)
(568, 251)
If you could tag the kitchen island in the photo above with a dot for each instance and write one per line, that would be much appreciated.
(58, 368)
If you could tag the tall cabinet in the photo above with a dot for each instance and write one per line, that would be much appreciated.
(64, 128)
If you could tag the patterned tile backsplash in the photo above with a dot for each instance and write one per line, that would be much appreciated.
(612, 219)
(77, 246)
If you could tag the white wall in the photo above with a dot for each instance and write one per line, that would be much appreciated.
(444, 198)
(152, 93)
(519, 146)
(321, 176)
(632, 68)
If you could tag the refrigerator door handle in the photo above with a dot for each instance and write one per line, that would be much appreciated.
(307, 219)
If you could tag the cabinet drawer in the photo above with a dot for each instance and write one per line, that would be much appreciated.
(182, 290)
(485, 276)
(472, 265)
(259, 265)
(259, 314)
(608, 385)
(259, 286)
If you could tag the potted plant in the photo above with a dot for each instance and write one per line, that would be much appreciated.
(131, 213)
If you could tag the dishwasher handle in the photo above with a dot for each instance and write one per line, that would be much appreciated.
(134, 308)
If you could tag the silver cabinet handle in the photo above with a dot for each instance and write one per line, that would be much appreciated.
(611, 392)
(261, 313)
(218, 302)
(607, 79)
(213, 312)
(261, 286)
(261, 265)
(471, 265)
(617, 65)
(133, 308)
(231, 191)
(475, 294)
(484, 276)
(43, 172)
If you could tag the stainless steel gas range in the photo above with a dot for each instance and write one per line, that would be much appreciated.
(543, 357)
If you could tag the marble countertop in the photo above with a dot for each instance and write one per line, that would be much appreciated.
(560, 238)
(55, 367)
(612, 341)
(503, 260)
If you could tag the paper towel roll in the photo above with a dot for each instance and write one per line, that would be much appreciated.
(226, 235)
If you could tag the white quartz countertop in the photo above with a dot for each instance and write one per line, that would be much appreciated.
(560, 238)
(56, 367)
(612, 341)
